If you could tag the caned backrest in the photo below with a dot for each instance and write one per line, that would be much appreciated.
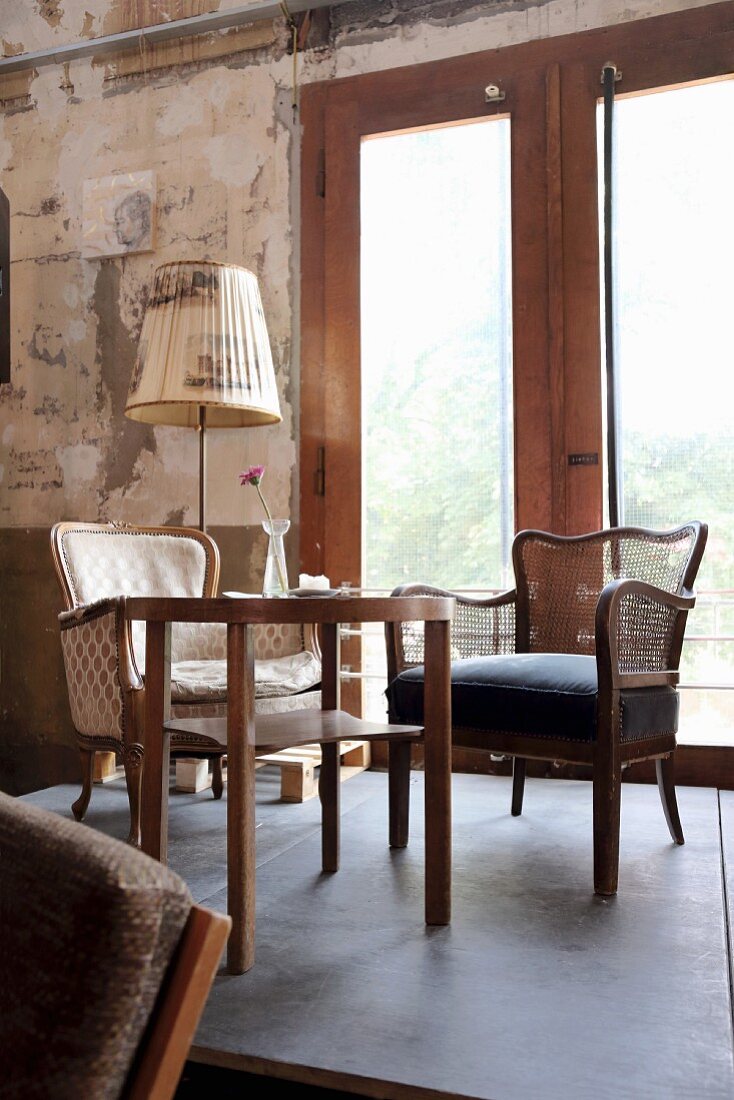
(559, 579)
(97, 561)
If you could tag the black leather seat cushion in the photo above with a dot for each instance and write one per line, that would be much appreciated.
(536, 694)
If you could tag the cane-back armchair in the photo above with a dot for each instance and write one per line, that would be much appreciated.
(578, 663)
(98, 566)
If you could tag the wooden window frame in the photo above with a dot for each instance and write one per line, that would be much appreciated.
(552, 87)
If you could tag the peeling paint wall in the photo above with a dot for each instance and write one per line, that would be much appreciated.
(212, 118)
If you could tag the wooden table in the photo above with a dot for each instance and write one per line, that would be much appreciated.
(242, 735)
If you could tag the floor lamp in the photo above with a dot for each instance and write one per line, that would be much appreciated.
(204, 356)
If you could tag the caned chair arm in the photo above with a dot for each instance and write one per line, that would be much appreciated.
(639, 634)
(481, 627)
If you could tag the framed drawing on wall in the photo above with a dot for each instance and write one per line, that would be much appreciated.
(118, 215)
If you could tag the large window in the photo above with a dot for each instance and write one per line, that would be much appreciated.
(436, 357)
(673, 248)
(450, 294)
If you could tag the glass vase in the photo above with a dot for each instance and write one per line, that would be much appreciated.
(275, 581)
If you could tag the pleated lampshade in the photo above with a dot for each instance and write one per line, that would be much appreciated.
(204, 345)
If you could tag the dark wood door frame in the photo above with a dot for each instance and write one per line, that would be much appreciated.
(552, 87)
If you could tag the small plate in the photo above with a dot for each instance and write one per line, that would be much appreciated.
(313, 593)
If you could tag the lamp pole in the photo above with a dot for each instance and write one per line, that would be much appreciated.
(202, 468)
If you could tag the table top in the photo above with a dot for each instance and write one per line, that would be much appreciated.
(331, 609)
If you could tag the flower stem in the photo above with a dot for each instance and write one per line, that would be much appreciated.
(278, 566)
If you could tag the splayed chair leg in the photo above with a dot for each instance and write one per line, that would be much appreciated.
(665, 770)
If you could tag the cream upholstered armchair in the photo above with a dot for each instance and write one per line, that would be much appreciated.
(98, 566)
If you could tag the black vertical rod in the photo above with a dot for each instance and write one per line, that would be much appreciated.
(202, 467)
(609, 75)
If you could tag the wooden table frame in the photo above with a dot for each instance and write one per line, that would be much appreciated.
(241, 615)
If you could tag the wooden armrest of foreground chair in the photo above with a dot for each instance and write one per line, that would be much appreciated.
(578, 663)
(105, 963)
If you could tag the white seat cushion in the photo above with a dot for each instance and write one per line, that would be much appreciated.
(194, 681)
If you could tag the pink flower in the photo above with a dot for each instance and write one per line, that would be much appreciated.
(252, 476)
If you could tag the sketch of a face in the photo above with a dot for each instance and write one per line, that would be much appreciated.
(132, 220)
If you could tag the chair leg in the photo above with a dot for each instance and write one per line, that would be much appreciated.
(664, 769)
(217, 776)
(399, 792)
(607, 785)
(133, 763)
(518, 784)
(79, 808)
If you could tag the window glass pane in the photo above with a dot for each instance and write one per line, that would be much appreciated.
(436, 356)
(673, 248)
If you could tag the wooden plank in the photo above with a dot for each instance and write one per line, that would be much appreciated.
(342, 391)
(297, 783)
(582, 347)
(358, 755)
(240, 722)
(192, 774)
(105, 767)
(556, 297)
(337, 609)
(187, 50)
(311, 528)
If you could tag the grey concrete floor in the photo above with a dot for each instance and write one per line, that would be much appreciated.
(537, 989)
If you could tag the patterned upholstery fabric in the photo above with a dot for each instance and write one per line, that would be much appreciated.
(281, 704)
(278, 640)
(192, 681)
(89, 927)
(208, 642)
(91, 660)
(126, 563)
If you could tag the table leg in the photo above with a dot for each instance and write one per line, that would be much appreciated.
(399, 792)
(240, 797)
(330, 795)
(156, 741)
(329, 779)
(437, 711)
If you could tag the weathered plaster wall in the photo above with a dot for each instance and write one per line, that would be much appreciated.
(218, 131)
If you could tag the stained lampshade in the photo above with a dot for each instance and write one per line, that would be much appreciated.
(204, 345)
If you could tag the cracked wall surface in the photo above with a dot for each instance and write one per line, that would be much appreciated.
(212, 117)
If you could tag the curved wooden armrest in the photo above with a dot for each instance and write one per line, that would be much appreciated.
(610, 660)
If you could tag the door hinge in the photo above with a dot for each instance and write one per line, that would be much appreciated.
(320, 472)
(321, 175)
